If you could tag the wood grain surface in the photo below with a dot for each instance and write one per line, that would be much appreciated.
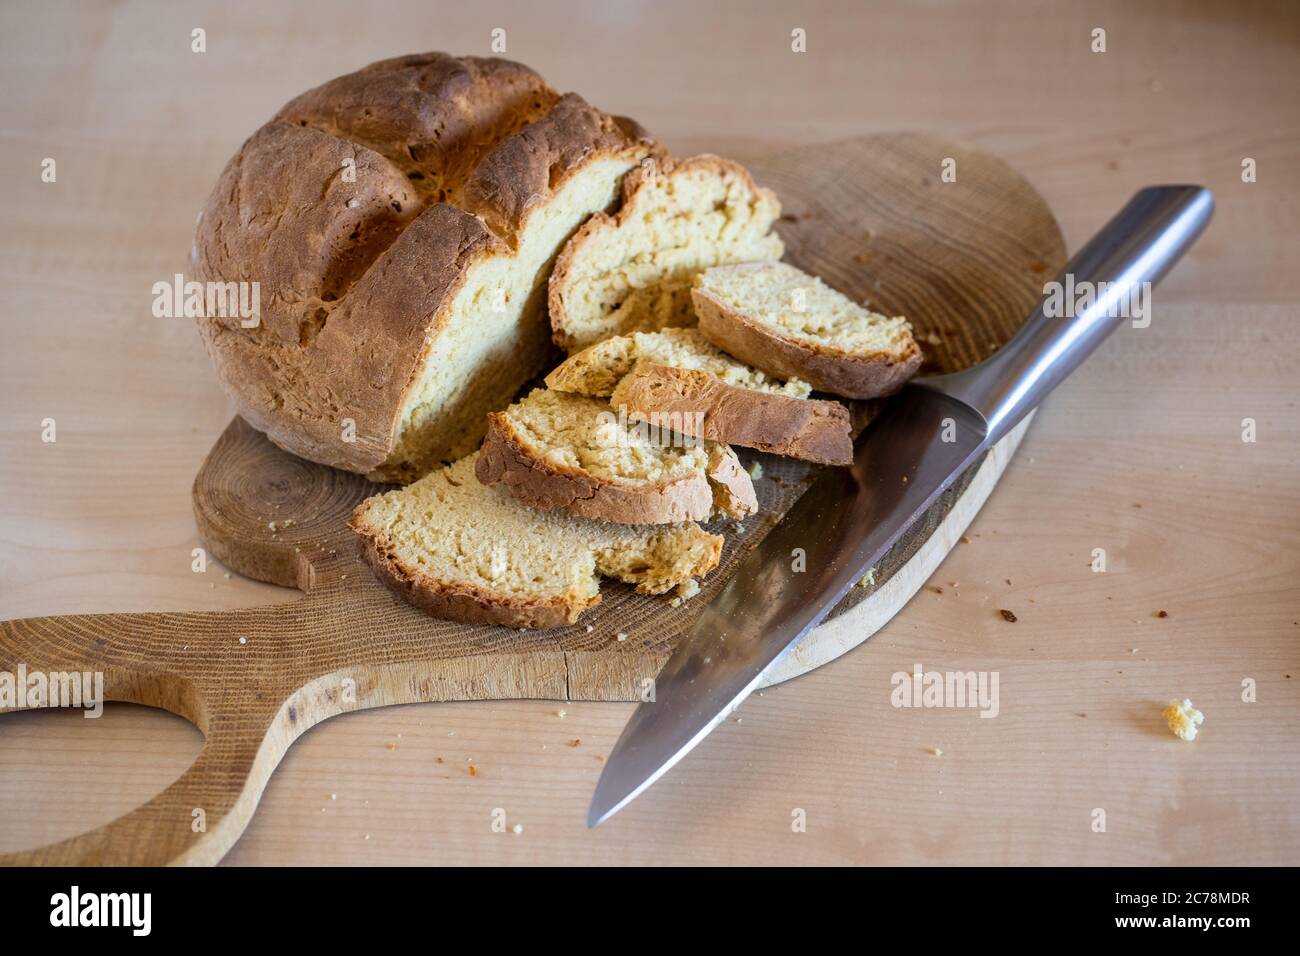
(101, 520)
(254, 680)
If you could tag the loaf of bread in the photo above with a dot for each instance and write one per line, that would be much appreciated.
(788, 323)
(677, 379)
(632, 270)
(401, 223)
(466, 551)
(560, 450)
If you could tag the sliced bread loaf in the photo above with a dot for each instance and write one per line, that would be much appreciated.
(401, 223)
(467, 551)
(560, 450)
(789, 323)
(675, 379)
(632, 271)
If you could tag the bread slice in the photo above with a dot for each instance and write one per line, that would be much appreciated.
(789, 323)
(598, 369)
(559, 450)
(466, 551)
(677, 379)
(699, 404)
(632, 271)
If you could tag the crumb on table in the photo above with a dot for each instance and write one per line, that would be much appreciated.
(1183, 718)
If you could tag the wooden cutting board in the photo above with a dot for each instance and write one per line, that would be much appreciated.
(965, 260)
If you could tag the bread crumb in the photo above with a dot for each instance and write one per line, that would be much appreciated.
(473, 770)
(517, 829)
(590, 628)
(622, 636)
(756, 470)
(243, 640)
(868, 579)
(561, 713)
(936, 751)
(575, 741)
(688, 589)
(964, 540)
(391, 746)
(1183, 718)
(676, 602)
(1160, 614)
(1008, 616)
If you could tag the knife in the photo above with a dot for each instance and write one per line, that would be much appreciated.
(921, 442)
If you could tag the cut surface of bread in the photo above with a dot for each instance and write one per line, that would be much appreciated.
(677, 379)
(632, 271)
(466, 551)
(698, 403)
(560, 450)
(401, 223)
(789, 323)
(598, 369)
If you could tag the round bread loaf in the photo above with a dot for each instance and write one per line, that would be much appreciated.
(401, 223)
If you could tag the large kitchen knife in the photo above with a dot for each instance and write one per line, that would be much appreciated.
(921, 442)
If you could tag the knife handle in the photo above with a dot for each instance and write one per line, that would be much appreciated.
(1105, 284)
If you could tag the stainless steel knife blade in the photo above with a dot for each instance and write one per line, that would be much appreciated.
(827, 541)
(922, 441)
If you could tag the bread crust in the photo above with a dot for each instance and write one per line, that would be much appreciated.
(473, 603)
(542, 484)
(850, 374)
(805, 428)
(452, 156)
(601, 223)
(462, 602)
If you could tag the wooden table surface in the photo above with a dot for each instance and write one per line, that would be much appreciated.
(1140, 453)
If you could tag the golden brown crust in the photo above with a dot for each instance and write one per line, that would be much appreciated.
(357, 273)
(850, 374)
(541, 484)
(698, 403)
(602, 223)
(458, 601)
(525, 170)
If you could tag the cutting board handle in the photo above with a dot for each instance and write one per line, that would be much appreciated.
(246, 726)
